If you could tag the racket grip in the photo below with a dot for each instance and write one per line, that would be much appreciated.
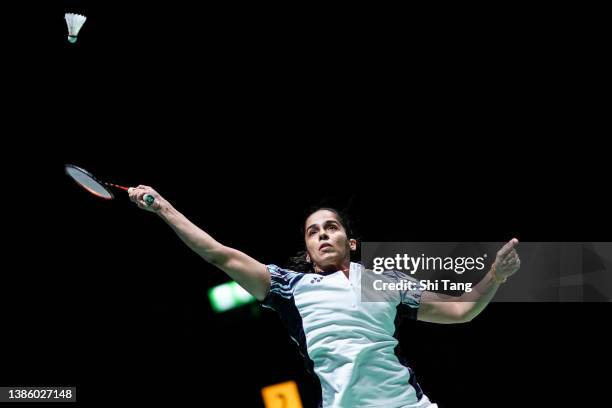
(148, 198)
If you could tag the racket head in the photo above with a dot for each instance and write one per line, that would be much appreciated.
(87, 181)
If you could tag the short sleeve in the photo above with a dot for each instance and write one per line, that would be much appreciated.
(282, 285)
(410, 297)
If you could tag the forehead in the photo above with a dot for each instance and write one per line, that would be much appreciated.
(320, 217)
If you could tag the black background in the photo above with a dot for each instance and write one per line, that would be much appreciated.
(431, 127)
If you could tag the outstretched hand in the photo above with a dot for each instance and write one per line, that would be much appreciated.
(507, 261)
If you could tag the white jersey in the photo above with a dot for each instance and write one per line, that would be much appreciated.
(348, 344)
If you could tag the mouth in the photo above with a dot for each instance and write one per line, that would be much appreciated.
(325, 245)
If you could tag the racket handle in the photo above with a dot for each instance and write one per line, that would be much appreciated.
(149, 199)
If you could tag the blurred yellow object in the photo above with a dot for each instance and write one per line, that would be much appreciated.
(283, 395)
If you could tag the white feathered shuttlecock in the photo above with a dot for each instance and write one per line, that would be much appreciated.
(74, 23)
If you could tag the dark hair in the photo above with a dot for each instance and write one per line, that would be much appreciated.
(298, 262)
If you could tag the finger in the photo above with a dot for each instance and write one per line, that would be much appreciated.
(133, 192)
(508, 247)
(514, 263)
(143, 191)
(142, 204)
(139, 195)
(146, 188)
(512, 255)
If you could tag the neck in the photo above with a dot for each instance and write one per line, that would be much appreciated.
(345, 266)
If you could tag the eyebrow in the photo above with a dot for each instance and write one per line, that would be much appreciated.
(324, 223)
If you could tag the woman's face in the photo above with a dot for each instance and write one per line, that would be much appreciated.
(326, 241)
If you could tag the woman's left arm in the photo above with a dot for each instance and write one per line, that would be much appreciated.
(438, 308)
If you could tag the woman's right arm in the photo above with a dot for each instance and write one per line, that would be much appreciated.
(252, 275)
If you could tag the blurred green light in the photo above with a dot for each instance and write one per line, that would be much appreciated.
(228, 296)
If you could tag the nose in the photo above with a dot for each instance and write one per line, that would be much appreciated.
(323, 236)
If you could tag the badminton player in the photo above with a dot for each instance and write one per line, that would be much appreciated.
(348, 344)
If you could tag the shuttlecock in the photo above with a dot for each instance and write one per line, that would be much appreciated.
(74, 23)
